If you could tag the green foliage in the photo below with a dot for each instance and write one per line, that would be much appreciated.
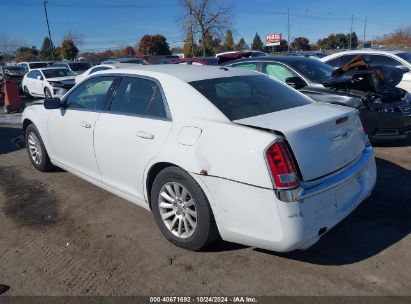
(301, 44)
(26, 54)
(241, 45)
(257, 43)
(154, 45)
(46, 51)
(228, 44)
(68, 49)
(354, 40)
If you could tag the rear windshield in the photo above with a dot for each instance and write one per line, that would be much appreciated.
(247, 96)
(52, 73)
(79, 66)
(37, 65)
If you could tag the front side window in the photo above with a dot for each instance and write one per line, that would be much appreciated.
(341, 60)
(138, 96)
(278, 71)
(247, 66)
(91, 94)
(247, 96)
(31, 74)
(314, 70)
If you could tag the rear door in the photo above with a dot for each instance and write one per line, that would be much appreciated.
(131, 133)
(71, 129)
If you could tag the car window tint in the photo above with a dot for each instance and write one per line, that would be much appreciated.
(340, 61)
(138, 96)
(90, 95)
(247, 66)
(383, 60)
(30, 74)
(246, 96)
(278, 71)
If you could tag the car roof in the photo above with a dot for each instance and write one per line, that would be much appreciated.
(285, 59)
(49, 68)
(186, 73)
(369, 51)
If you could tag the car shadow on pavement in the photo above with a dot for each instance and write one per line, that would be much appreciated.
(378, 223)
(7, 134)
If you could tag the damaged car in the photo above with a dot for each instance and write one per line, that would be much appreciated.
(211, 151)
(385, 109)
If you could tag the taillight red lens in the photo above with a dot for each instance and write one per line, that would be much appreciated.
(281, 165)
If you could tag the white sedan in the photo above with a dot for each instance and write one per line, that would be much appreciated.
(48, 82)
(211, 151)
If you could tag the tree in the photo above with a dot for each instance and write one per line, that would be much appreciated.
(189, 48)
(241, 45)
(26, 54)
(207, 17)
(228, 44)
(129, 51)
(257, 43)
(69, 49)
(46, 51)
(354, 40)
(154, 45)
(341, 41)
(301, 44)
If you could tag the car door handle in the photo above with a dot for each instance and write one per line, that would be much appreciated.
(85, 125)
(144, 135)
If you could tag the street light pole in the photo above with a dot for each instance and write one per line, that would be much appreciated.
(48, 27)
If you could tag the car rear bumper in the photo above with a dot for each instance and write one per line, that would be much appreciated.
(255, 216)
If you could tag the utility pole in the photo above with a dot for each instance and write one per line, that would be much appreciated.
(288, 29)
(352, 21)
(48, 27)
(365, 28)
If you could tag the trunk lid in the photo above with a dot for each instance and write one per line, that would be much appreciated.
(323, 137)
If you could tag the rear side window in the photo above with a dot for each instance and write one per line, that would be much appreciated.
(247, 66)
(382, 60)
(247, 96)
(138, 96)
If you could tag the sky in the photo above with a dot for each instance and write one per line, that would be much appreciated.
(109, 24)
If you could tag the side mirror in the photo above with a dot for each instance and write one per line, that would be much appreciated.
(403, 68)
(296, 82)
(39, 77)
(52, 103)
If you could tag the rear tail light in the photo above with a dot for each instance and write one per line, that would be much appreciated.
(281, 165)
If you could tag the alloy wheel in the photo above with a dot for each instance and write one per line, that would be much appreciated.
(178, 210)
(34, 148)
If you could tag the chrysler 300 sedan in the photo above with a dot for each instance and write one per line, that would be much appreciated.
(212, 151)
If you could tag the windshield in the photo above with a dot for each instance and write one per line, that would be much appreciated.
(314, 70)
(247, 96)
(79, 66)
(406, 56)
(36, 65)
(53, 73)
(14, 69)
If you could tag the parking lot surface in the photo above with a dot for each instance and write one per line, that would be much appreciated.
(63, 236)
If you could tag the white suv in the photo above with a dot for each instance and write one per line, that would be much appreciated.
(392, 58)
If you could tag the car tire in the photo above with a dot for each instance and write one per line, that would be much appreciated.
(47, 93)
(36, 150)
(27, 92)
(191, 224)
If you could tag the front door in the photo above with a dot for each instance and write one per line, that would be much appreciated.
(71, 128)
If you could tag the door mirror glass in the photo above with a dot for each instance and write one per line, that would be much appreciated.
(296, 82)
(52, 103)
(39, 77)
